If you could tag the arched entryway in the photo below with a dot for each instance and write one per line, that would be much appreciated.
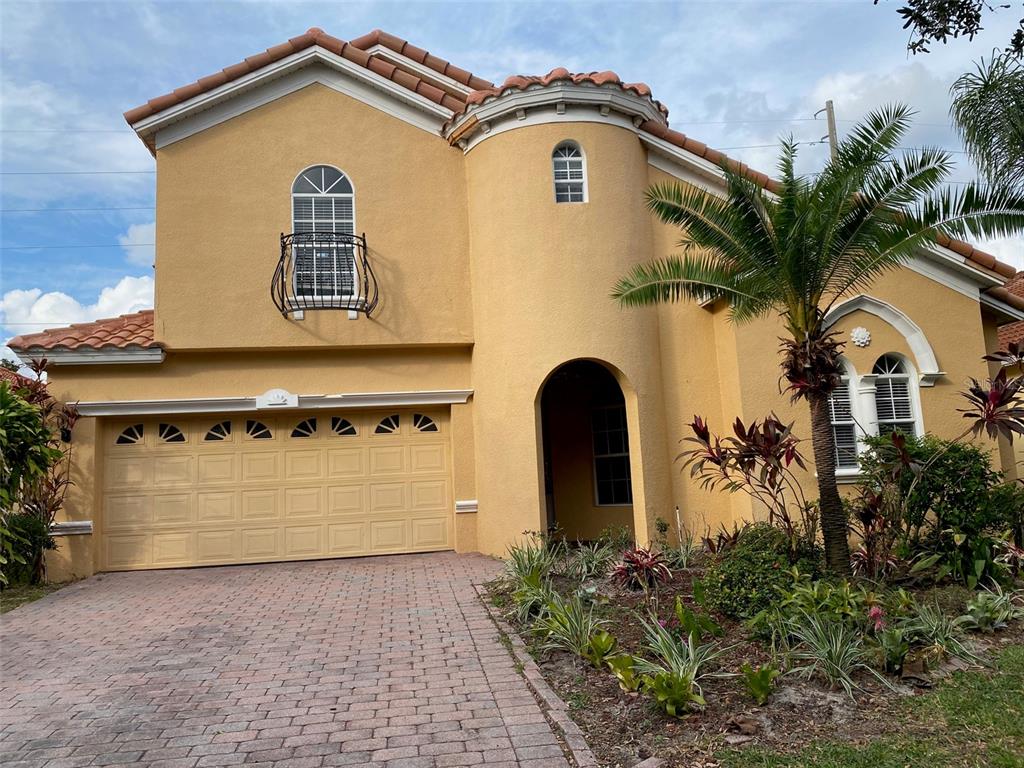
(587, 479)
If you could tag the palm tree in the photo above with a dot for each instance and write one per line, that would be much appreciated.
(988, 111)
(808, 242)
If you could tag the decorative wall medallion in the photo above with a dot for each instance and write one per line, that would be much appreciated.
(277, 398)
(860, 336)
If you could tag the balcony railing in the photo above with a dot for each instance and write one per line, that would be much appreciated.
(323, 270)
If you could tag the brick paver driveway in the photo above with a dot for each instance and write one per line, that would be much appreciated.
(385, 661)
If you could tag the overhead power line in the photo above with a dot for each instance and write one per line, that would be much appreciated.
(49, 247)
(77, 210)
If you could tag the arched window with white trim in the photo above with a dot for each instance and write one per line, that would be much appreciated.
(844, 424)
(894, 397)
(323, 201)
(570, 173)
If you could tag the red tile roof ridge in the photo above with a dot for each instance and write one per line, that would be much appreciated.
(557, 75)
(420, 56)
(132, 329)
(347, 50)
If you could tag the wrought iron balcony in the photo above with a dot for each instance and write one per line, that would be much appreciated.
(323, 270)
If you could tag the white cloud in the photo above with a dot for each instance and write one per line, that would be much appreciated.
(136, 243)
(1008, 249)
(28, 311)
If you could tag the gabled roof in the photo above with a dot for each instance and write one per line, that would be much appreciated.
(124, 332)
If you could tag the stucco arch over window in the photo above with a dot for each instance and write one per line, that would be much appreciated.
(926, 364)
(569, 167)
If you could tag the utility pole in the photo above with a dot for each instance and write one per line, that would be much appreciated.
(833, 135)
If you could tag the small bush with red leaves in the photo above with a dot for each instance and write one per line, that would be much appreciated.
(641, 568)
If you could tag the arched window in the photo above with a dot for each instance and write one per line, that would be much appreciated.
(323, 202)
(894, 404)
(570, 173)
(844, 426)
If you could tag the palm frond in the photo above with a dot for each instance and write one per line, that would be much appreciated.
(698, 277)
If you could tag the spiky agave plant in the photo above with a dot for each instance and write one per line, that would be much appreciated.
(807, 242)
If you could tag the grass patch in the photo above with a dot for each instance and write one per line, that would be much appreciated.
(973, 720)
(20, 594)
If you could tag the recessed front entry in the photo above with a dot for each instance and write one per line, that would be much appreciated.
(587, 479)
(186, 491)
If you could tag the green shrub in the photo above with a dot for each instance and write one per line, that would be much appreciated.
(25, 450)
(618, 537)
(567, 624)
(829, 649)
(30, 538)
(592, 560)
(601, 646)
(994, 609)
(623, 666)
(747, 578)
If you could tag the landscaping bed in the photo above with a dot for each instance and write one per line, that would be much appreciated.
(804, 721)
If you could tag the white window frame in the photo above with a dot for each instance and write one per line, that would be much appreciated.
(569, 183)
(913, 390)
(863, 406)
(351, 197)
(595, 456)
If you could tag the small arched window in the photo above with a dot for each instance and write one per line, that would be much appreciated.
(894, 403)
(323, 201)
(570, 173)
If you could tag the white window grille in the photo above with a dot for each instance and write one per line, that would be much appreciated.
(612, 479)
(570, 173)
(323, 201)
(894, 403)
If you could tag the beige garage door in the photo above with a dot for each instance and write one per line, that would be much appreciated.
(256, 488)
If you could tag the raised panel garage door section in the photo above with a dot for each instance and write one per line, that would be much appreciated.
(249, 488)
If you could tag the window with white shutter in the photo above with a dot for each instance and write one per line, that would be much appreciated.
(323, 201)
(893, 398)
(844, 428)
(570, 173)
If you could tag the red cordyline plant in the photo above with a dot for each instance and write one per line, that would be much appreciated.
(996, 407)
(641, 568)
(758, 459)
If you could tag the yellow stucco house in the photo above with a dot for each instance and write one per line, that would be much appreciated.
(383, 323)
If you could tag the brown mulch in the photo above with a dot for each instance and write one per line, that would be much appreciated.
(626, 728)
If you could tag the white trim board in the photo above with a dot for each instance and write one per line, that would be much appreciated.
(296, 402)
(312, 65)
(466, 506)
(71, 528)
(87, 356)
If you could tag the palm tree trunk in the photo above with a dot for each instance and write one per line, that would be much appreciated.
(833, 518)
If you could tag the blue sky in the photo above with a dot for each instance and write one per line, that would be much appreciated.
(736, 75)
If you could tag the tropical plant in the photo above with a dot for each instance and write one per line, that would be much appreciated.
(685, 622)
(802, 244)
(830, 649)
(531, 596)
(758, 460)
(530, 560)
(993, 609)
(891, 648)
(12, 545)
(623, 666)
(759, 681)
(940, 635)
(673, 679)
(601, 646)
(591, 560)
(26, 453)
(988, 112)
(567, 624)
(641, 569)
(31, 538)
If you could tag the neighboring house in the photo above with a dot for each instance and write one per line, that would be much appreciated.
(14, 379)
(428, 357)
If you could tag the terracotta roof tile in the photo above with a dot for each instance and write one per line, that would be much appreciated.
(134, 330)
(353, 51)
(13, 378)
(558, 75)
(1014, 332)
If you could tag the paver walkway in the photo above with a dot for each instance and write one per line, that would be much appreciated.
(384, 661)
